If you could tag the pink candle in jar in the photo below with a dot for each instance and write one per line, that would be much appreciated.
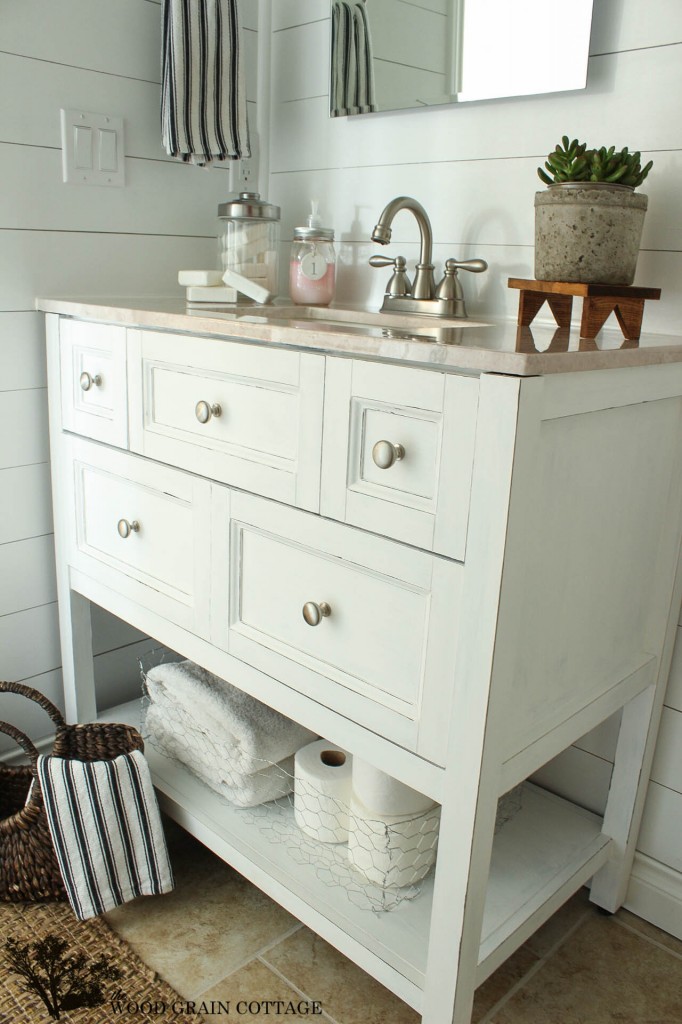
(311, 281)
(312, 270)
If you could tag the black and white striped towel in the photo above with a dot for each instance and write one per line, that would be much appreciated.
(106, 829)
(203, 97)
(352, 69)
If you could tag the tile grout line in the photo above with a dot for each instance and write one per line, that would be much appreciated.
(253, 956)
(295, 987)
(641, 935)
(489, 1017)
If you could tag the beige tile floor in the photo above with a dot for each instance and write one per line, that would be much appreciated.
(217, 938)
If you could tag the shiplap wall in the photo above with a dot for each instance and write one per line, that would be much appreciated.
(410, 52)
(474, 169)
(58, 239)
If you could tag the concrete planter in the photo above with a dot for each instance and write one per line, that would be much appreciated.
(588, 232)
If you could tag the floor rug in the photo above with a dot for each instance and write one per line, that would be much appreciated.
(54, 967)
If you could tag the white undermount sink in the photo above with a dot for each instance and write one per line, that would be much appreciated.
(348, 317)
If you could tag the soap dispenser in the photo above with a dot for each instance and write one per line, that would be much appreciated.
(312, 268)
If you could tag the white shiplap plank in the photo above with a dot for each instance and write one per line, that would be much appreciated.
(23, 428)
(22, 350)
(27, 574)
(26, 714)
(248, 14)
(158, 198)
(117, 673)
(602, 740)
(122, 38)
(296, 78)
(629, 24)
(288, 13)
(35, 121)
(463, 199)
(109, 632)
(407, 35)
(659, 836)
(31, 515)
(634, 89)
(399, 87)
(578, 776)
(29, 642)
(34, 263)
(667, 766)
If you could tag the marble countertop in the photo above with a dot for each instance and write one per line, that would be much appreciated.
(495, 346)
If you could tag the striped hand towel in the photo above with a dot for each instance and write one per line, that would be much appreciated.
(203, 97)
(106, 830)
(352, 69)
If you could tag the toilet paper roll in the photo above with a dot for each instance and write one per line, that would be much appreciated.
(322, 791)
(392, 850)
(383, 794)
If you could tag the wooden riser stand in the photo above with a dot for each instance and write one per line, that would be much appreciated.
(599, 301)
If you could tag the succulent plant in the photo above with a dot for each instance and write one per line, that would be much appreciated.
(573, 161)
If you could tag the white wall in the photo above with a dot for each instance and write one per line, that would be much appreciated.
(58, 239)
(474, 169)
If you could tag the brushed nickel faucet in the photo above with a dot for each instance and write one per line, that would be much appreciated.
(445, 299)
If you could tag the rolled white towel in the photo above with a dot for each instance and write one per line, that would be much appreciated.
(249, 731)
(271, 782)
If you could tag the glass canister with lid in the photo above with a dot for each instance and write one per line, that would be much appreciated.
(312, 268)
(248, 239)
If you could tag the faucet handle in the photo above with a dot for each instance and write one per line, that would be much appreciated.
(399, 284)
(475, 266)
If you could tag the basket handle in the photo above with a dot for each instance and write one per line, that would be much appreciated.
(22, 739)
(39, 698)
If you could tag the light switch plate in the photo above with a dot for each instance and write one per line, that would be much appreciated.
(92, 148)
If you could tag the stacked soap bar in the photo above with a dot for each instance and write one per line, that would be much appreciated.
(206, 286)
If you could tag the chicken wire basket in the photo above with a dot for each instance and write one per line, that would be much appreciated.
(378, 860)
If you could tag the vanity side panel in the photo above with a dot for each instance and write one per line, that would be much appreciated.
(601, 514)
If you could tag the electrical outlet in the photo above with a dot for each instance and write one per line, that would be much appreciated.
(244, 173)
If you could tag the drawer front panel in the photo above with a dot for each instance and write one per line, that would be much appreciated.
(387, 645)
(93, 381)
(398, 452)
(260, 423)
(144, 529)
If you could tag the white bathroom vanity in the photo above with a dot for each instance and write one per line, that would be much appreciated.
(495, 531)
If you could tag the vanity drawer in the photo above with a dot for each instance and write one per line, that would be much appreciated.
(383, 656)
(398, 452)
(243, 414)
(143, 530)
(93, 381)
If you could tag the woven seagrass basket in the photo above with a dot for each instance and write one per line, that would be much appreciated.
(28, 866)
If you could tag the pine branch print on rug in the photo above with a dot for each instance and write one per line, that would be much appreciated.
(54, 967)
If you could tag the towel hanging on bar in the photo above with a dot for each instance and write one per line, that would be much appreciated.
(352, 72)
(203, 98)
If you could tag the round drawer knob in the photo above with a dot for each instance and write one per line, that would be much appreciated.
(125, 528)
(385, 453)
(314, 613)
(86, 381)
(204, 410)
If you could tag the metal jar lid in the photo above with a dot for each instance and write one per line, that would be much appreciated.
(249, 206)
(311, 234)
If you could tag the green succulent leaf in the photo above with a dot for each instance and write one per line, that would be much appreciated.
(571, 160)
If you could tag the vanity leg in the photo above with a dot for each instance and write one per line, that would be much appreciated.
(75, 628)
(627, 794)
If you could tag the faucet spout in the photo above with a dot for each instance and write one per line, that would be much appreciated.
(424, 284)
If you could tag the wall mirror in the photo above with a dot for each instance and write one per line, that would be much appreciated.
(402, 54)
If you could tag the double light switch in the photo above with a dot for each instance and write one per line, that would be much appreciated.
(92, 148)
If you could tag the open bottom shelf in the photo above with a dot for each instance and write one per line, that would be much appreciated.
(540, 857)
